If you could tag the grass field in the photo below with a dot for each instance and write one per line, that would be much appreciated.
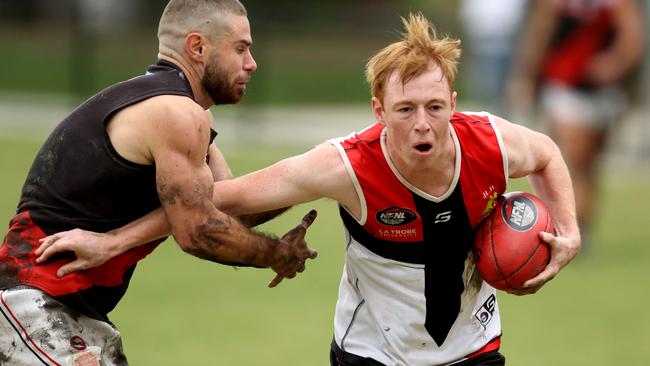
(183, 311)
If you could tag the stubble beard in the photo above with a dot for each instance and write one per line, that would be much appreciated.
(219, 88)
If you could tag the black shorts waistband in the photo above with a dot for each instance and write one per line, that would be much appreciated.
(339, 357)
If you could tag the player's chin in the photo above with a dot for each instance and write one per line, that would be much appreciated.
(237, 96)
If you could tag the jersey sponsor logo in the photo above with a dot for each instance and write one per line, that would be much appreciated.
(395, 216)
(520, 213)
(442, 217)
(486, 312)
(398, 233)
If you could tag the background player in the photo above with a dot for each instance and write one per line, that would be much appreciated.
(578, 54)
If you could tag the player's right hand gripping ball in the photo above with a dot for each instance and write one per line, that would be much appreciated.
(507, 247)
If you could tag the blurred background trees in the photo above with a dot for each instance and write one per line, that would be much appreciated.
(307, 51)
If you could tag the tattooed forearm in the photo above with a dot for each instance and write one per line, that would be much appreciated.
(205, 232)
(218, 240)
(253, 220)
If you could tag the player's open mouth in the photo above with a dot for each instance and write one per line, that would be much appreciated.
(423, 148)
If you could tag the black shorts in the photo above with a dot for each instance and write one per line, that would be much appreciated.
(338, 357)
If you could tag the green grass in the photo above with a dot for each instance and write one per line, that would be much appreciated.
(184, 311)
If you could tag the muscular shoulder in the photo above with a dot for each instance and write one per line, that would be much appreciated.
(177, 118)
(136, 129)
(169, 122)
(173, 111)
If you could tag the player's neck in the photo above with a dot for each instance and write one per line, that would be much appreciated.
(433, 173)
(193, 76)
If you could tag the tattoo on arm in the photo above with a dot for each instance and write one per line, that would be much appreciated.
(167, 195)
(206, 244)
(218, 237)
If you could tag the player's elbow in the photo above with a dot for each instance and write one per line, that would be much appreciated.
(544, 153)
(188, 243)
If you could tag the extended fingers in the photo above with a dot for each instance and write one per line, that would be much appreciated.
(308, 219)
(276, 280)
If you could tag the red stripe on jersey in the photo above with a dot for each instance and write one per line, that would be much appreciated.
(18, 263)
(493, 345)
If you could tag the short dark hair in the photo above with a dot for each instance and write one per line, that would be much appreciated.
(181, 17)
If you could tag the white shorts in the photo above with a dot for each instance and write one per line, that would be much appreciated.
(35, 329)
(599, 108)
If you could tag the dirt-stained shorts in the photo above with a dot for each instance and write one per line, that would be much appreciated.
(35, 329)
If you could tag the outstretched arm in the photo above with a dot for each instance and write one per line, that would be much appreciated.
(94, 249)
(536, 156)
(318, 173)
(185, 184)
(221, 171)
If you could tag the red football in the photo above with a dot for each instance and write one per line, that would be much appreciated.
(507, 248)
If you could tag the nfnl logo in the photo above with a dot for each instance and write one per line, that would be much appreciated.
(520, 213)
(394, 216)
(484, 314)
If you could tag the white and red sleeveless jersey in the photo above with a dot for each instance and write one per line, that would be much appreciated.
(410, 294)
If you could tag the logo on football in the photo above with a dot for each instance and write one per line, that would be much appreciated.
(394, 216)
(520, 213)
(507, 248)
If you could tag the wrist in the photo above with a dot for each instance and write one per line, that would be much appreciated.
(116, 244)
(279, 252)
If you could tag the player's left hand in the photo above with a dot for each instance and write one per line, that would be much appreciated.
(91, 249)
(293, 261)
(563, 250)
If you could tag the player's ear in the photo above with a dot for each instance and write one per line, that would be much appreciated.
(195, 46)
(378, 110)
(454, 95)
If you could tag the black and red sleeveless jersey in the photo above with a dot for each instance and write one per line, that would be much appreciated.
(584, 29)
(78, 180)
